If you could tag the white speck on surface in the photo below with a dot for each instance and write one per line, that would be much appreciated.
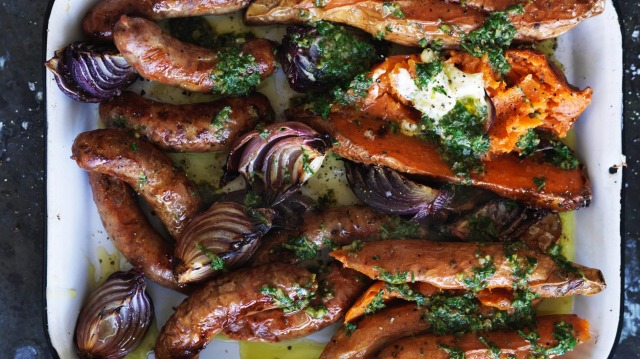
(32, 86)
(39, 96)
(25, 125)
(635, 34)
(3, 60)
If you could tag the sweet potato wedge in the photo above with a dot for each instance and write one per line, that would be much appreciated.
(467, 266)
(509, 343)
(542, 19)
(507, 174)
(386, 294)
(375, 332)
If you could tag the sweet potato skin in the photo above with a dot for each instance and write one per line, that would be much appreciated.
(375, 332)
(541, 20)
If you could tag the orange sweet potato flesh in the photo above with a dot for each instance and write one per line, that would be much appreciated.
(358, 309)
(534, 94)
(510, 343)
(542, 19)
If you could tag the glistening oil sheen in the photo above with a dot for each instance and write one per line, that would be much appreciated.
(296, 349)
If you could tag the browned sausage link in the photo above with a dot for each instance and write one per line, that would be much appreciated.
(199, 127)
(130, 231)
(375, 332)
(159, 57)
(100, 20)
(150, 172)
(220, 302)
(338, 225)
(338, 289)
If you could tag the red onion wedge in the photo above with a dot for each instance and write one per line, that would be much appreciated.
(223, 237)
(91, 73)
(387, 191)
(115, 318)
(277, 159)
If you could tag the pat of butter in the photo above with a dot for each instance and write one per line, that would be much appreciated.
(442, 92)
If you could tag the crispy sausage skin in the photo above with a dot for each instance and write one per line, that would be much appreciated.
(222, 301)
(199, 127)
(422, 261)
(340, 225)
(167, 190)
(375, 332)
(98, 23)
(159, 57)
(338, 289)
(509, 342)
(130, 231)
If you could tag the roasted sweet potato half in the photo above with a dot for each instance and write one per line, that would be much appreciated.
(406, 22)
(532, 97)
(409, 261)
(507, 175)
(553, 335)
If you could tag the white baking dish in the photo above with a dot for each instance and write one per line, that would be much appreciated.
(592, 55)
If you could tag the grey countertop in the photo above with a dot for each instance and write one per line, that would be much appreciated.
(22, 179)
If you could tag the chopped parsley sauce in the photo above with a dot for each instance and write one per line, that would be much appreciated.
(492, 38)
(236, 73)
(216, 262)
(284, 302)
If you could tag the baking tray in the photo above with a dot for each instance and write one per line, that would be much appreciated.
(76, 243)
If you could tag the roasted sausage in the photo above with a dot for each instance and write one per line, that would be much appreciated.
(222, 301)
(509, 343)
(200, 127)
(150, 172)
(159, 57)
(337, 225)
(130, 231)
(98, 23)
(422, 261)
(375, 332)
(337, 290)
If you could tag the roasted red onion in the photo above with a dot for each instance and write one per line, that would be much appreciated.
(91, 73)
(276, 160)
(491, 113)
(223, 237)
(115, 318)
(387, 191)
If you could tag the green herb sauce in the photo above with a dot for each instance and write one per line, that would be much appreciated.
(284, 302)
(216, 262)
(460, 137)
(223, 116)
(454, 353)
(302, 247)
(236, 73)
(492, 38)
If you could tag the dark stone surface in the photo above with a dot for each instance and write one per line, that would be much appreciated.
(22, 186)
